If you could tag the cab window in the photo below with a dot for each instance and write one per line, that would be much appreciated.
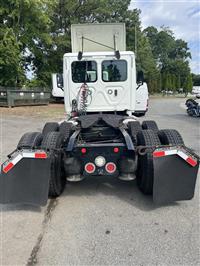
(84, 71)
(114, 70)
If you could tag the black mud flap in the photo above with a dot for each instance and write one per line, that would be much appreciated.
(24, 178)
(175, 173)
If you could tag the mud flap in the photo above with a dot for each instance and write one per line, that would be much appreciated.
(25, 179)
(175, 173)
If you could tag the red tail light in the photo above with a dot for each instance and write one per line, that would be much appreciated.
(90, 168)
(110, 168)
(83, 150)
(116, 150)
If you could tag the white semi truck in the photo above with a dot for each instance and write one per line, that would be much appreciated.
(100, 136)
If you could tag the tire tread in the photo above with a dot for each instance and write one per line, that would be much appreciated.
(145, 172)
(30, 140)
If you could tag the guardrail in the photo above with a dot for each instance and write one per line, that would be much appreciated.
(13, 97)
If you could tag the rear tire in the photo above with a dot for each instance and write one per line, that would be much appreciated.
(65, 129)
(170, 137)
(150, 124)
(53, 141)
(30, 140)
(50, 127)
(145, 171)
(134, 127)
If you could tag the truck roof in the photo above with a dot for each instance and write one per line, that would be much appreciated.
(93, 54)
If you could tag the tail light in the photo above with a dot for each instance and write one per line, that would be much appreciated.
(116, 150)
(111, 167)
(83, 150)
(90, 168)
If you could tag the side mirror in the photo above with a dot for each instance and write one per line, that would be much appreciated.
(140, 77)
(59, 79)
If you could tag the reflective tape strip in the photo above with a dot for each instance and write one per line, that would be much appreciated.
(188, 159)
(28, 155)
(17, 159)
(40, 155)
(191, 161)
(164, 153)
(11, 164)
(170, 152)
(158, 153)
(36, 155)
(14, 161)
(184, 156)
(8, 167)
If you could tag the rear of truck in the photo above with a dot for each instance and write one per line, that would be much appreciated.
(99, 145)
(100, 136)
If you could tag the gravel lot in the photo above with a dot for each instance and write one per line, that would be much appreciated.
(100, 221)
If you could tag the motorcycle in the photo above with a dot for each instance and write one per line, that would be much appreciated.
(193, 108)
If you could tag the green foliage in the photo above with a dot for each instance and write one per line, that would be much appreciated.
(178, 82)
(10, 59)
(196, 79)
(24, 33)
(35, 34)
(171, 56)
(187, 85)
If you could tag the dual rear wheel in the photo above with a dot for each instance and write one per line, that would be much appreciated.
(55, 136)
(145, 170)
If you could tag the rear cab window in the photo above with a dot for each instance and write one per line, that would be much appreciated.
(84, 71)
(114, 70)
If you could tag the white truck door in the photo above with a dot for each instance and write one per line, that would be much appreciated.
(113, 91)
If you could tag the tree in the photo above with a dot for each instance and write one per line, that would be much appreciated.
(178, 82)
(173, 82)
(196, 79)
(35, 34)
(171, 56)
(10, 59)
(187, 85)
(24, 33)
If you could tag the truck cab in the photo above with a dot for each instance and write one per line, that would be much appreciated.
(111, 82)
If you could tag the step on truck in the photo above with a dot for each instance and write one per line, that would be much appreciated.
(100, 136)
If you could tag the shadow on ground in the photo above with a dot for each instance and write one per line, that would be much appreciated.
(108, 186)
(92, 187)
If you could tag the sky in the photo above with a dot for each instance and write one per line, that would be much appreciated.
(183, 18)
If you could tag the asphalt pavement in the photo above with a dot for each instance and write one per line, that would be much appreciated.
(103, 221)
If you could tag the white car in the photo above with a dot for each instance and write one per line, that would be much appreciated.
(196, 90)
